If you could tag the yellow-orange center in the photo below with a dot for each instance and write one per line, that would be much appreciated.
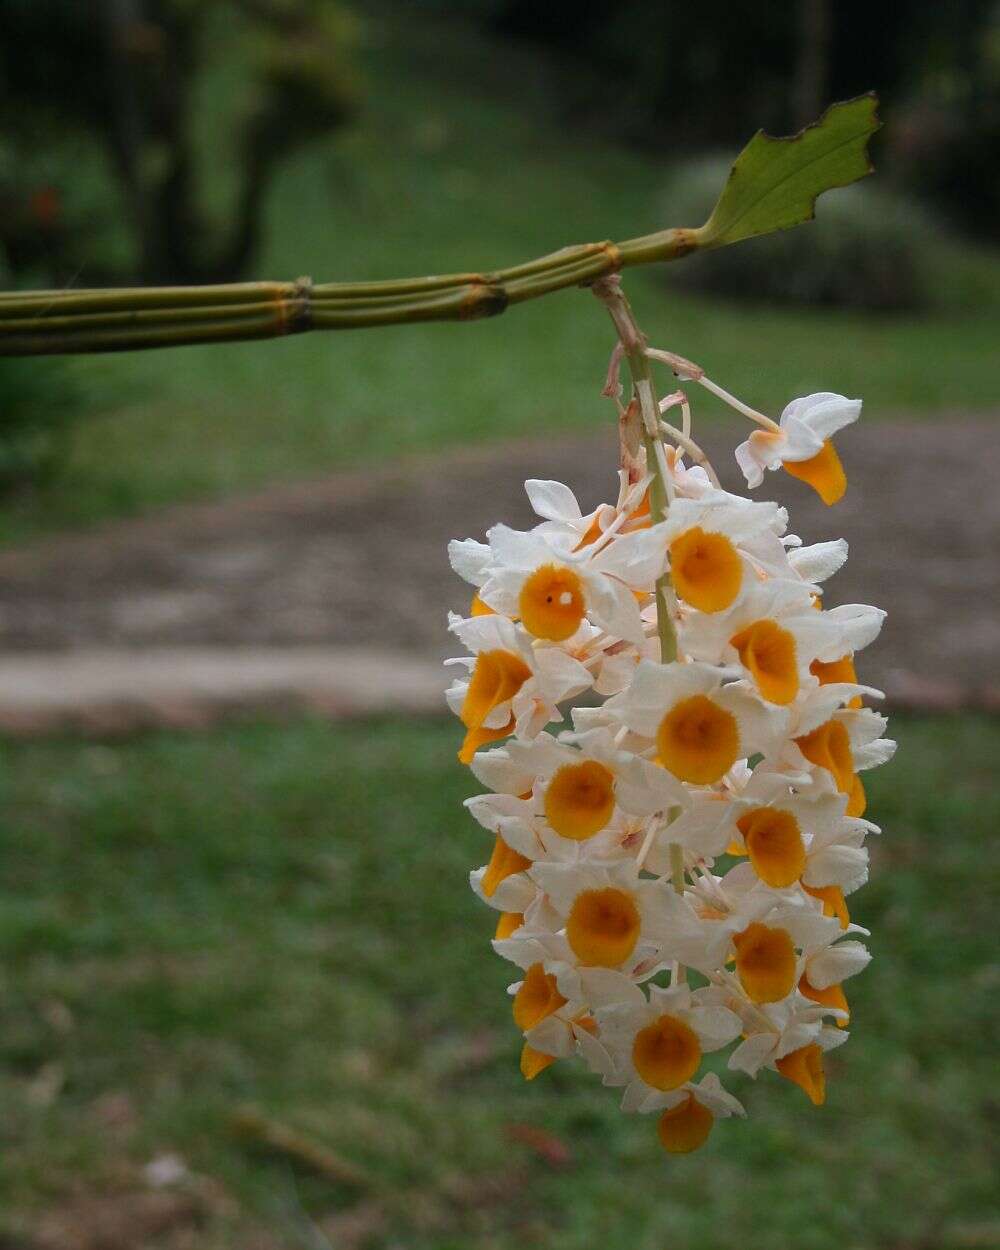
(832, 996)
(832, 898)
(829, 747)
(640, 518)
(603, 927)
(478, 608)
(593, 533)
(685, 1127)
(824, 473)
(858, 800)
(768, 651)
(765, 962)
(706, 569)
(537, 997)
(831, 671)
(534, 1061)
(509, 922)
(504, 862)
(697, 740)
(666, 1053)
(804, 1067)
(580, 800)
(497, 677)
(551, 603)
(774, 843)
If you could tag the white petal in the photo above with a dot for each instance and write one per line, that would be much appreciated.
(820, 561)
(638, 558)
(874, 753)
(614, 607)
(846, 866)
(502, 774)
(514, 893)
(596, 1056)
(552, 1036)
(552, 500)
(824, 412)
(715, 1026)
(636, 1093)
(469, 559)
(486, 633)
(710, 1093)
(836, 964)
(750, 464)
(559, 676)
(753, 1053)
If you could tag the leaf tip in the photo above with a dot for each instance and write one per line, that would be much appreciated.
(774, 182)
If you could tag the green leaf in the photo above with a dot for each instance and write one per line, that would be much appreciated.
(774, 182)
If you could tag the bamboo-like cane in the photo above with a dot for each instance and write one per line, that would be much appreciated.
(773, 185)
(36, 323)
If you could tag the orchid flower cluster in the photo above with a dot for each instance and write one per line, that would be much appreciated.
(671, 872)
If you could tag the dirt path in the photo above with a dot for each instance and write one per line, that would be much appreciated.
(349, 562)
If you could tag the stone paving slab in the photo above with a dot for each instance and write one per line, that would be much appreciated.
(107, 692)
(267, 599)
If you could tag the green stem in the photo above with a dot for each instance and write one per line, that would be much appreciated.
(608, 290)
(677, 867)
(34, 323)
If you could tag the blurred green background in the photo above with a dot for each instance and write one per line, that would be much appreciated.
(276, 917)
(450, 145)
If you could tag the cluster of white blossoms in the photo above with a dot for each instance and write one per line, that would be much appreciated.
(671, 871)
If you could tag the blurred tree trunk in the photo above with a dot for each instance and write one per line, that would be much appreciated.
(124, 134)
(152, 61)
(126, 73)
(812, 63)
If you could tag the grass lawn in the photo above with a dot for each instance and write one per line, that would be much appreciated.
(278, 917)
(449, 169)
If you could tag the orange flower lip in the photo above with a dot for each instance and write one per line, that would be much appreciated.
(551, 603)
(765, 962)
(603, 927)
(706, 569)
(537, 998)
(496, 677)
(775, 846)
(769, 652)
(666, 1053)
(698, 741)
(685, 1127)
(823, 472)
(804, 1067)
(504, 863)
(580, 800)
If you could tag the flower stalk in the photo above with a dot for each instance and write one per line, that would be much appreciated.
(612, 842)
(633, 343)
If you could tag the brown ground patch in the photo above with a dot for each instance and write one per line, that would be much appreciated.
(356, 561)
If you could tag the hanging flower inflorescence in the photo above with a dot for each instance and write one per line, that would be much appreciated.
(671, 873)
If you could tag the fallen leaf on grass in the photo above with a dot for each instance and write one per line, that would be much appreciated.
(251, 1125)
(553, 1150)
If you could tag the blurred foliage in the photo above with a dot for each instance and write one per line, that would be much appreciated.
(868, 248)
(952, 159)
(38, 403)
(448, 164)
(118, 85)
(656, 76)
